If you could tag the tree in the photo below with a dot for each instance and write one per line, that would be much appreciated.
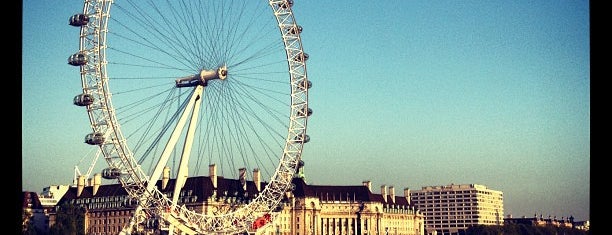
(28, 226)
(69, 220)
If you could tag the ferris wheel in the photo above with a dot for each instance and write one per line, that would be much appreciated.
(185, 85)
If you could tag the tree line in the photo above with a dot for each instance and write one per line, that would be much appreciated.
(523, 229)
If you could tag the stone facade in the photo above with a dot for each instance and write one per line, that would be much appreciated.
(307, 209)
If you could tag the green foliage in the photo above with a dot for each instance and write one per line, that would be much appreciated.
(69, 220)
(28, 224)
(30, 229)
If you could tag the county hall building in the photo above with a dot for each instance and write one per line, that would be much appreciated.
(306, 210)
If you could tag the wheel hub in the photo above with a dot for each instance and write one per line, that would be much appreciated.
(203, 77)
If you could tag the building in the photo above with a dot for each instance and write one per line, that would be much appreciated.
(583, 225)
(328, 209)
(37, 208)
(52, 194)
(567, 222)
(306, 210)
(34, 214)
(30, 206)
(451, 209)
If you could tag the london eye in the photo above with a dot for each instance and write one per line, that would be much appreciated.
(189, 84)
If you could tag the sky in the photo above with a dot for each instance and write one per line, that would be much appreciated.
(406, 94)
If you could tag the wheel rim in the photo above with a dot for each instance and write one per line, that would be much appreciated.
(254, 116)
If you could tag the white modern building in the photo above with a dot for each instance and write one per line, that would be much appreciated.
(51, 195)
(453, 208)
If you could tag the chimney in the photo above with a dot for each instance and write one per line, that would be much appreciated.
(165, 177)
(212, 168)
(407, 195)
(80, 185)
(383, 192)
(368, 184)
(242, 177)
(392, 193)
(97, 180)
(256, 179)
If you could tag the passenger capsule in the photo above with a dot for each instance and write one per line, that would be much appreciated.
(301, 163)
(302, 138)
(77, 59)
(286, 4)
(79, 20)
(302, 57)
(94, 138)
(83, 99)
(296, 29)
(305, 85)
(305, 112)
(111, 173)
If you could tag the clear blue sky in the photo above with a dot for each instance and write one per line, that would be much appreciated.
(405, 93)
